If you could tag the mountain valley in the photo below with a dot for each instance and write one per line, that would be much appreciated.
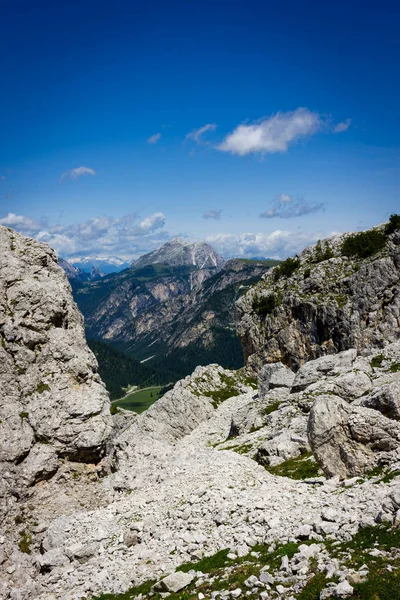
(173, 309)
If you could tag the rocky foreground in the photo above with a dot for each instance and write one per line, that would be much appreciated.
(284, 486)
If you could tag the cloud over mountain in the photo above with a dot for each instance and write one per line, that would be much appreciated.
(127, 236)
(277, 244)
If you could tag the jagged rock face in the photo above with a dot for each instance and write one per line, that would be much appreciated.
(179, 253)
(323, 308)
(53, 404)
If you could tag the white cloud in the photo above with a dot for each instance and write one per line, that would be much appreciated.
(127, 236)
(197, 134)
(288, 207)
(343, 126)
(75, 173)
(213, 214)
(153, 139)
(21, 223)
(153, 222)
(279, 244)
(272, 135)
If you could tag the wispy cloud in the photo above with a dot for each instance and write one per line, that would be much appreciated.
(128, 236)
(343, 126)
(288, 207)
(197, 134)
(272, 135)
(153, 139)
(75, 173)
(213, 214)
(279, 244)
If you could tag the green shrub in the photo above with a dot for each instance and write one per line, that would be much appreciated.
(264, 305)
(25, 542)
(322, 253)
(286, 268)
(393, 225)
(114, 410)
(42, 387)
(364, 244)
(376, 362)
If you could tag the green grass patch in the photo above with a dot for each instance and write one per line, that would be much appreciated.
(300, 467)
(313, 587)
(244, 449)
(341, 300)
(208, 563)
(271, 408)
(380, 585)
(377, 361)
(144, 588)
(25, 542)
(229, 390)
(139, 400)
(42, 387)
(394, 368)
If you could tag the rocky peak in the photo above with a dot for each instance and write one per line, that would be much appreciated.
(76, 274)
(178, 253)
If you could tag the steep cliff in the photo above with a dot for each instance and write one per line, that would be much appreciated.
(53, 404)
(341, 293)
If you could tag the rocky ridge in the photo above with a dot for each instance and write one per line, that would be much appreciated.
(322, 302)
(178, 253)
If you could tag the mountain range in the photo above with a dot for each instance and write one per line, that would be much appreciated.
(173, 309)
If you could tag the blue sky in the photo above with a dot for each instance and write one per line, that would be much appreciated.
(258, 126)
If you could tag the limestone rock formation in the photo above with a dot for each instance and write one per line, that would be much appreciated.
(322, 303)
(354, 420)
(53, 404)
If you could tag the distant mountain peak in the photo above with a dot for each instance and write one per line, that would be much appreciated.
(178, 252)
(74, 273)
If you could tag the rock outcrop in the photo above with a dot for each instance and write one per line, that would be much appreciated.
(53, 404)
(322, 302)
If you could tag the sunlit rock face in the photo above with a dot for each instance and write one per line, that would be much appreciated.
(53, 405)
